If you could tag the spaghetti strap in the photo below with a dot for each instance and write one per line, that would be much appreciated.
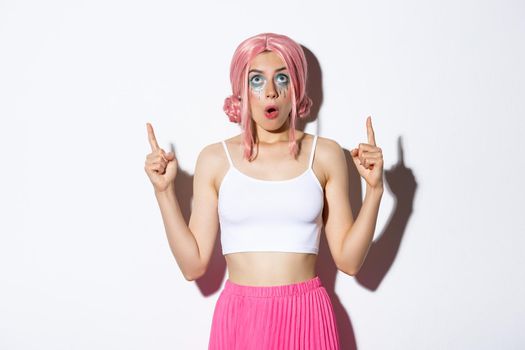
(227, 153)
(312, 152)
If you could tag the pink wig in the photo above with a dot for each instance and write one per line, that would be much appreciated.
(237, 107)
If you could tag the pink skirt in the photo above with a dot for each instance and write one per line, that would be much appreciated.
(291, 316)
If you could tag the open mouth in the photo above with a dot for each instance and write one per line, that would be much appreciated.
(271, 112)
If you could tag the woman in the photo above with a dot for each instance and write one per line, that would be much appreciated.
(270, 189)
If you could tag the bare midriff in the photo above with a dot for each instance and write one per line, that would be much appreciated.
(270, 268)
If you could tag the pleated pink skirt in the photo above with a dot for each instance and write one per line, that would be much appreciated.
(292, 316)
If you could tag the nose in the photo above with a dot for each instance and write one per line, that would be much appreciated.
(271, 91)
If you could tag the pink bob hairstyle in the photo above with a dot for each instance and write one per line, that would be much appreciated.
(237, 107)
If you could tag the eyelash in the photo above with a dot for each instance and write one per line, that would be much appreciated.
(253, 78)
(285, 81)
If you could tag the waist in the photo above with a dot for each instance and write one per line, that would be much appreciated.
(270, 268)
(274, 290)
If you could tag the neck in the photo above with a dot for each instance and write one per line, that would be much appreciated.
(272, 136)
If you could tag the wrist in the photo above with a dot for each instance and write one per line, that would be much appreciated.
(170, 190)
(376, 190)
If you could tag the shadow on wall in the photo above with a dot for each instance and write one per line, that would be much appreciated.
(399, 180)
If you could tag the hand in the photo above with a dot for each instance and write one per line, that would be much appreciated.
(368, 159)
(160, 166)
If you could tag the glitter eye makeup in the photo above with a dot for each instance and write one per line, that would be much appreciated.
(282, 79)
(257, 82)
(282, 82)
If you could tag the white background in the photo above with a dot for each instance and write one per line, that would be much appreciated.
(84, 261)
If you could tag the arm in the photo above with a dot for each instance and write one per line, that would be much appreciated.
(192, 245)
(348, 241)
(357, 240)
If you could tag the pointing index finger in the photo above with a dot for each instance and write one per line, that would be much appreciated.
(370, 131)
(151, 137)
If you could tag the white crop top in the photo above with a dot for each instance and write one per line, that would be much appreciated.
(270, 215)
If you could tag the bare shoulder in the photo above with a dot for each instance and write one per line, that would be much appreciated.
(212, 164)
(211, 158)
(211, 153)
(215, 154)
(328, 147)
(330, 156)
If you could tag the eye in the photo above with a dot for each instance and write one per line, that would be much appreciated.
(256, 81)
(282, 79)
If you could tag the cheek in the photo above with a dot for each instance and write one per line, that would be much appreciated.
(282, 89)
(285, 90)
(257, 89)
(254, 101)
(255, 94)
(254, 98)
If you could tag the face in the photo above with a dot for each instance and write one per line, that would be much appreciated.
(269, 91)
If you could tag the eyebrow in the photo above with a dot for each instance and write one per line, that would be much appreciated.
(260, 71)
